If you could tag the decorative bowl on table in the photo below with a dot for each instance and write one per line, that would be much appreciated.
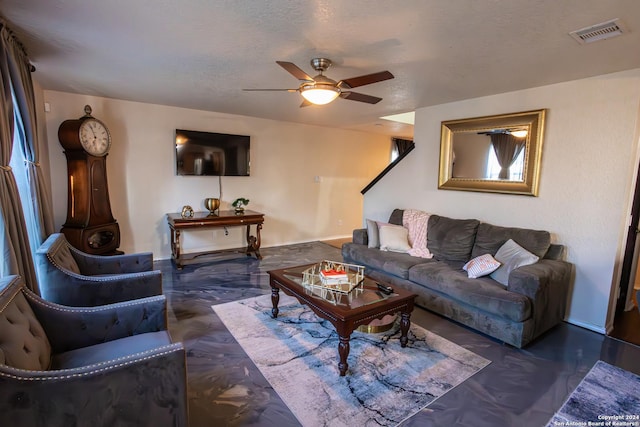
(212, 205)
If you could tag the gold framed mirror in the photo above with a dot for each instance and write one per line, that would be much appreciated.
(496, 154)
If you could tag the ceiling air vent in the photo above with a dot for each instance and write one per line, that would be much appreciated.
(602, 31)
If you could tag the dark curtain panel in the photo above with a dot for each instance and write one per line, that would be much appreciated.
(17, 252)
(507, 148)
(22, 84)
(402, 145)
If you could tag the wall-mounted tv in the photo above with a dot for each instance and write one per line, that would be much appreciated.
(207, 153)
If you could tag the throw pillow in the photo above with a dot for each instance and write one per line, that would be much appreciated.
(512, 256)
(394, 238)
(372, 234)
(481, 266)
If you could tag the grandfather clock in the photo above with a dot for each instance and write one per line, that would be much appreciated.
(90, 226)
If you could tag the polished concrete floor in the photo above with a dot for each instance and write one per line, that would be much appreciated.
(519, 388)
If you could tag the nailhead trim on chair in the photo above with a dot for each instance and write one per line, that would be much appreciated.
(171, 348)
(10, 300)
(58, 307)
(95, 278)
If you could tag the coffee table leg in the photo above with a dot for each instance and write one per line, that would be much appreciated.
(275, 298)
(405, 322)
(343, 350)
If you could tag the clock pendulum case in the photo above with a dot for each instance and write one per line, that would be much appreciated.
(90, 225)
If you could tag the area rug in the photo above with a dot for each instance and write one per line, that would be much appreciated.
(607, 396)
(385, 384)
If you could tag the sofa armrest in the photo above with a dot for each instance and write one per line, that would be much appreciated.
(546, 283)
(78, 290)
(555, 251)
(142, 389)
(70, 328)
(116, 264)
(360, 236)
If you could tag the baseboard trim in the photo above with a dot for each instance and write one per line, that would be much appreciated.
(589, 326)
(191, 250)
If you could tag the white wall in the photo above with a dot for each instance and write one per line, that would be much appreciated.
(588, 167)
(285, 158)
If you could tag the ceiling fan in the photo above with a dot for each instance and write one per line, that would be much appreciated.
(321, 90)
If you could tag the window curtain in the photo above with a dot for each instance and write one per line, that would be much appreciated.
(22, 84)
(507, 148)
(16, 252)
(401, 146)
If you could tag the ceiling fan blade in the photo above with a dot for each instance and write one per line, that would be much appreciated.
(354, 96)
(294, 70)
(305, 103)
(367, 79)
(270, 90)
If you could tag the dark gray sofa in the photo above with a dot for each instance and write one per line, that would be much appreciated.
(533, 301)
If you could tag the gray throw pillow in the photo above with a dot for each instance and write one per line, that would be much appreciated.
(511, 255)
(372, 234)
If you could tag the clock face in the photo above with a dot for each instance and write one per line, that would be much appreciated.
(94, 137)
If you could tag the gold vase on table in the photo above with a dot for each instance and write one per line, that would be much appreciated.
(212, 205)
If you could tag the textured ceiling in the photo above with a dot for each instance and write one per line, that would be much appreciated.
(201, 53)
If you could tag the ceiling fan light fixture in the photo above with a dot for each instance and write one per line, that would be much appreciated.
(319, 94)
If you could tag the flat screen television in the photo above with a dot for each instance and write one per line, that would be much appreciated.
(208, 153)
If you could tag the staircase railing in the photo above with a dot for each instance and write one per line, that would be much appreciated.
(388, 168)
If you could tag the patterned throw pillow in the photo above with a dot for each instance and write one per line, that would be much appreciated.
(481, 266)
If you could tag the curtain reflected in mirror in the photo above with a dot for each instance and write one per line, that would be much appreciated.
(493, 154)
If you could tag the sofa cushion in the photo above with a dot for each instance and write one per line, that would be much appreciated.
(482, 293)
(511, 255)
(396, 217)
(451, 239)
(491, 237)
(393, 263)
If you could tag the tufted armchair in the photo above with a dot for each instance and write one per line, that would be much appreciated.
(112, 365)
(69, 276)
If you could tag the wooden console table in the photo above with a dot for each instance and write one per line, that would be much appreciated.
(202, 220)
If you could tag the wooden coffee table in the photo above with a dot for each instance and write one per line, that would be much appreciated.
(347, 312)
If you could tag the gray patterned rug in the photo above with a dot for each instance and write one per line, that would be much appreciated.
(385, 384)
(607, 396)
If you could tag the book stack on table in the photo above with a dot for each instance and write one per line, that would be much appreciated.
(333, 277)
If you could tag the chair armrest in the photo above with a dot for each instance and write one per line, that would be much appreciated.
(91, 265)
(546, 283)
(360, 236)
(87, 291)
(70, 328)
(142, 389)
